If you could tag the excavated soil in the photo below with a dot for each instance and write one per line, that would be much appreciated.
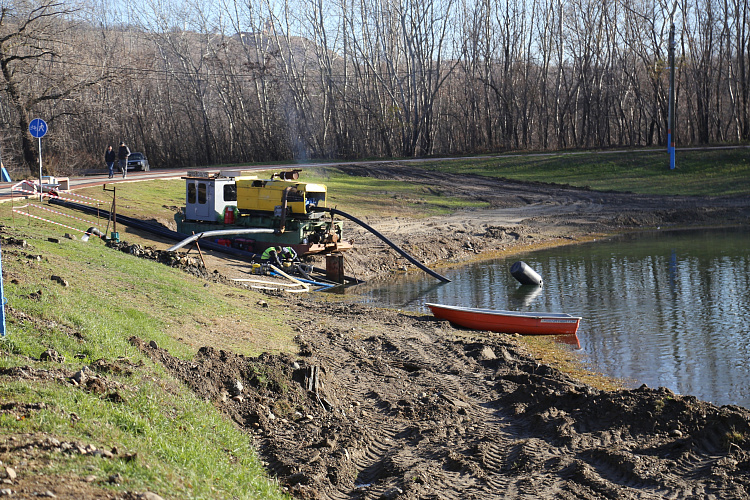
(383, 404)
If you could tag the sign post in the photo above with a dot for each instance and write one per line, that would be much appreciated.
(670, 117)
(38, 128)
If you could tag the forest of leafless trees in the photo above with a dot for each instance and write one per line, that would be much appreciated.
(199, 82)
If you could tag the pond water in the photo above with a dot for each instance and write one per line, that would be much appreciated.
(667, 309)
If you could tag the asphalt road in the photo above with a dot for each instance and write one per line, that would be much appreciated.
(99, 179)
(6, 188)
(135, 176)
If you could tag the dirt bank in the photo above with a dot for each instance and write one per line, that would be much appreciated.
(521, 216)
(381, 404)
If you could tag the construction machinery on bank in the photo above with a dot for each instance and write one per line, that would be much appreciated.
(240, 214)
(280, 211)
(253, 214)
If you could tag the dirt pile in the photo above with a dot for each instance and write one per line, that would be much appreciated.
(190, 265)
(382, 404)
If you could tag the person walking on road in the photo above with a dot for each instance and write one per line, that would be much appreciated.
(109, 158)
(122, 155)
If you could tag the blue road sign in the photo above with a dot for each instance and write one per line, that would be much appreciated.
(38, 127)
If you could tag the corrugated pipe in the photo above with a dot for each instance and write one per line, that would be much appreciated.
(384, 239)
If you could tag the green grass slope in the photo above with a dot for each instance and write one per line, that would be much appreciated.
(184, 447)
(707, 172)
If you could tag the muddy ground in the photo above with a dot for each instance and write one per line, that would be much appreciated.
(382, 404)
(521, 216)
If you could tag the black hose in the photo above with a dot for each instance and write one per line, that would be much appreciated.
(302, 271)
(152, 228)
(386, 240)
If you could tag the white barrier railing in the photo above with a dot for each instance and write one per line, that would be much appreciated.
(47, 220)
(61, 213)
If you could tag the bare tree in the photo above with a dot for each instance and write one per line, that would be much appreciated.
(737, 14)
(42, 62)
(250, 88)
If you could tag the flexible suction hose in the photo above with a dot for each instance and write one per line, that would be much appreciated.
(384, 239)
(90, 231)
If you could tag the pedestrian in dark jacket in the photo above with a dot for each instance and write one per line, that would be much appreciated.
(122, 155)
(109, 158)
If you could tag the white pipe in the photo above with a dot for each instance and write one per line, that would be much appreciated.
(218, 232)
(262, 282)
(276, 289)
(89, 232)
(303, 285)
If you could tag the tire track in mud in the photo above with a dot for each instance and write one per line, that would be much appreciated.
(407, 407)
(413, 359)
(508, 454)
(409, 359)
(606, 468)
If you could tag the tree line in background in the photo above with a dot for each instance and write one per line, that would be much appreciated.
(230, 81)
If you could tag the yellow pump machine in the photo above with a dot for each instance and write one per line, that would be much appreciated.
(241, 200)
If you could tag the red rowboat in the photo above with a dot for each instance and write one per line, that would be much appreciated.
(527, 323)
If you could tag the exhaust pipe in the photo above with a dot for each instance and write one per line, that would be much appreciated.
(284, 205)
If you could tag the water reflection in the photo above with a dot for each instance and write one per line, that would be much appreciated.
(523, 297)
(666, 309)
(571, 340)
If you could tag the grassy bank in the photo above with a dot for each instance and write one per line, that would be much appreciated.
(722, 172)
(710, 172)
(184, 447)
